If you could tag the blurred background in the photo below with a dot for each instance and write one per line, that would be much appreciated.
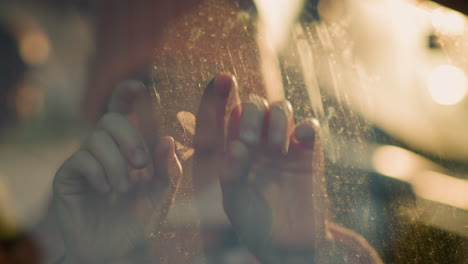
(386, 78)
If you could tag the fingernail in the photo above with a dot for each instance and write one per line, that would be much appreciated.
(280, 116)
(224, 83)
(252, 120)
(305, 133)
(139, 156)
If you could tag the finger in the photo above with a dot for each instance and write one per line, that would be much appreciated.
(306, 157)
(306, 154)
(132, 99)
(252, 119)
(169, 174)
(305, 143)
(127, 138)
(124, 95)
(209, 135)
(234, 177)
(234, 124)
(356, 247)
(159, 194)
(166, 161)
(105, 150)
(148, 117)
(279, 125)
(78, 173)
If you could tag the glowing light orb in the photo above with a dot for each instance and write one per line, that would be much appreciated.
(394, 162)
(447, 85)
(34, 47)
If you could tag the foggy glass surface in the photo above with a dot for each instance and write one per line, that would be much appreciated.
(330, 71)
(395, 156)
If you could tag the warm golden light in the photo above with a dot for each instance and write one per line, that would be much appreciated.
(277, 17)
(275, 20)
(331, 10)
(448, 22)
(187, 121)
(29, 99)
(34, 46)
(426, 183)
(447, 85)
(441, 188)
(7, 220)
(394, 162)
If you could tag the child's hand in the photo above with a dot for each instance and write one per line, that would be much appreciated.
(272, 178)
(115, 191)
(272, 182)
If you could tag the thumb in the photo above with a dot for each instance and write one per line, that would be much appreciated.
(167, 166)
(162, 189)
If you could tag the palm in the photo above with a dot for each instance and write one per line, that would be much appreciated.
(278, 204)
(100, 225)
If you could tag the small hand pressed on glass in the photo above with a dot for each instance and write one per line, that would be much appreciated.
(118, 187)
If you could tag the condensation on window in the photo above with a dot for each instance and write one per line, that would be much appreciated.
(371, 73)
(386, 80)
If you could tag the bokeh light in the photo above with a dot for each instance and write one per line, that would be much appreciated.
(34, 46)
(394, 162)
(447, 85)
(441, 188)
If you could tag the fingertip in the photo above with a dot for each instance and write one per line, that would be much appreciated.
(166, 146)
(124, 95)
(251, 122)
(224, 83)
(280, 118)
(259, 101)
(305, 133)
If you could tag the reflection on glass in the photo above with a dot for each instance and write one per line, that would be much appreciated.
(377, 75)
